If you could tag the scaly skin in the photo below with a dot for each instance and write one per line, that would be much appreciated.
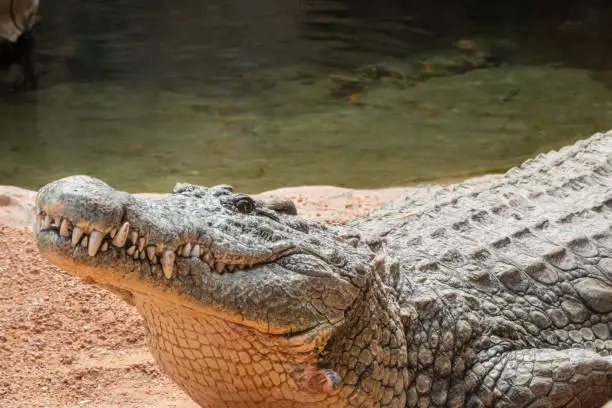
(494, 293)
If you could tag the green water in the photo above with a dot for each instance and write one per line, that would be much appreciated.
(143, 124)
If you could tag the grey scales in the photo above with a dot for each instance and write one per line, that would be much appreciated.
(487, 293)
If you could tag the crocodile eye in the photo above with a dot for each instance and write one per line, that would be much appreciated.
(244, 204)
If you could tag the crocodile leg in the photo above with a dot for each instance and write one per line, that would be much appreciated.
(544, 378)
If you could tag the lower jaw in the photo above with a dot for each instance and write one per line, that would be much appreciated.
(220, 363)
(129, 278)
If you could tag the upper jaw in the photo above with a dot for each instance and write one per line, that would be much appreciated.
(96, 239)
(97, 217)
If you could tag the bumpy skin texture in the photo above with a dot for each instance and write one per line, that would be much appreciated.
(494, 293)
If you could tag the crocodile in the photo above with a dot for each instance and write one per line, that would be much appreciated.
(494, 292)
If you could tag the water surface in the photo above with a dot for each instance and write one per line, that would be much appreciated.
(266, 94)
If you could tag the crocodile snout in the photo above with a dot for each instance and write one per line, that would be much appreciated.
(85, 201)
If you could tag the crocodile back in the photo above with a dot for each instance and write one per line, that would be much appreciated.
(532, 246)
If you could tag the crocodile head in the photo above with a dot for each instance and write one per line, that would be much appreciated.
(245, 302)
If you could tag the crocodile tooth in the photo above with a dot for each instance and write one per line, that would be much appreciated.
(151, 252)
(77, 233)
(104, 246)
(64, 230)
(131, 250)
(141, 243)
(134, 237)
(113, 232)
(95, 240)
(231, 267)
(121, 236)
(57, 220)
(195, 251)
(84, 241)
(186, 250)
(219, 267)
(136, 254)
(154, 260)
(167, 263)
(142, 255)
(241, 266)
(207, 258)
(179, 250)
(46, 224)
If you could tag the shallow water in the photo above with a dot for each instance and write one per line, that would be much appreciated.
(266, 94)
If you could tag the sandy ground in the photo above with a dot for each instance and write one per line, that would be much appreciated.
(67, 344)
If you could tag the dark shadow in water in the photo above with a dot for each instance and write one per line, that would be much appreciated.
(17, 66)
(210, 47)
